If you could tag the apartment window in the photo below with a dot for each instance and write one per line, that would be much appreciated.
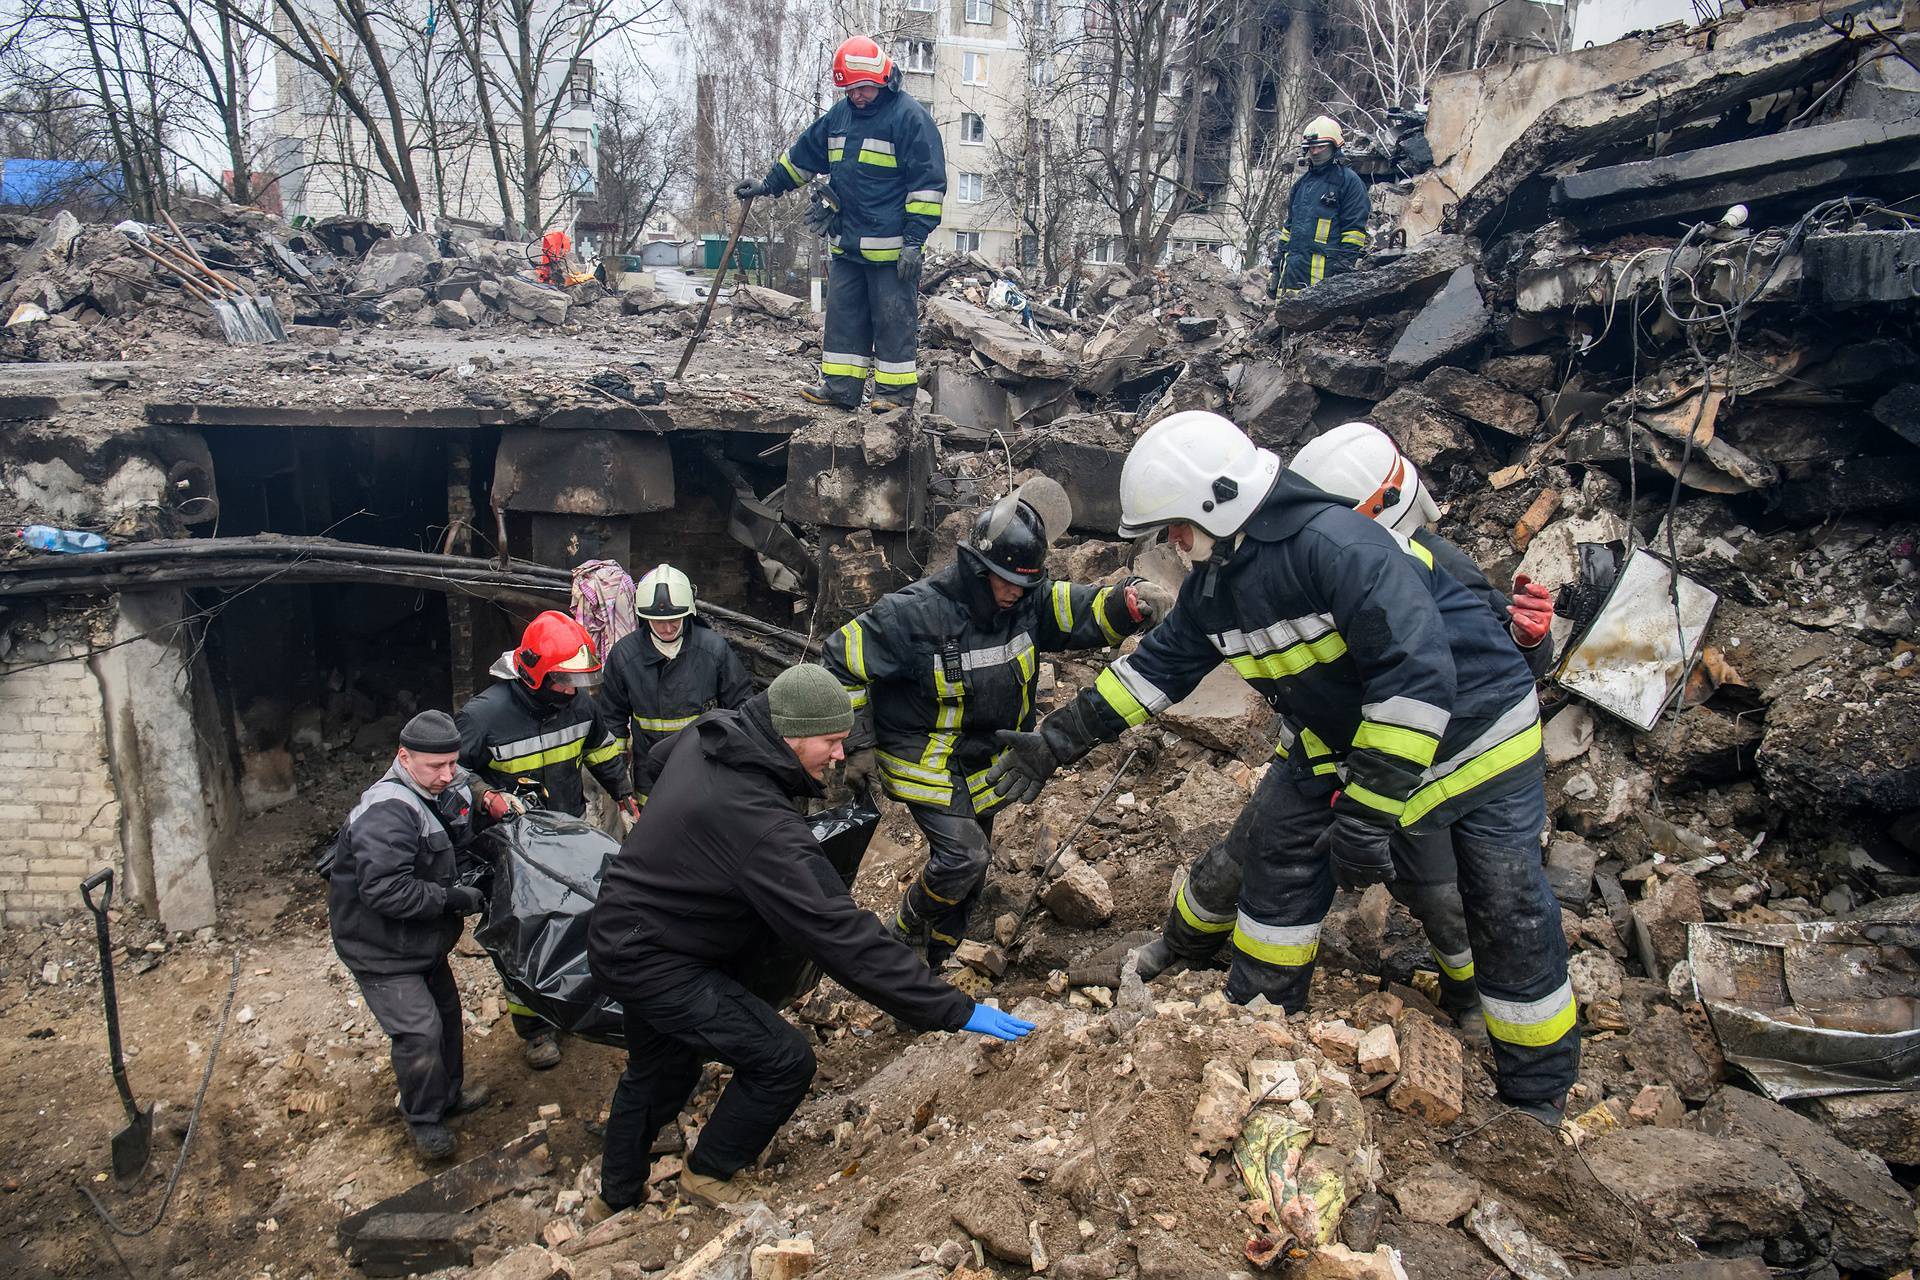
(1103, 251)
(973, 188)
(1166, 80)
(580, 83)
(1042, 14)
(920, 55)
(973, 68)
(980, 11)
(920, 6)
(1097, 133)
(973, 128)
(1029, 250)
(1042, 70)
(1163, 191)
(1039, 136)
(966, 242)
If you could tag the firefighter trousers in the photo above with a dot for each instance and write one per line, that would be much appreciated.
(1424, 882)
(872, 327)
(1513, 925)
(942, 897)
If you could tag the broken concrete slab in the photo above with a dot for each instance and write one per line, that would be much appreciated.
(1273, 407)
(999, 341)
(1886, 1124)
(769, 302)
(1866, 1217)
(1436, 1193)
(1477, 399)
(587, 473)
(970, 401)
(1706, 180)
(1452, 323)
(1431, 437)
(1715, 1191)
(1570, 865)
(1496, 1226)
(1492, 129)
(1375, 288)
(1114, 354)
(1850, 268)
(1225, 714)
(1662, 1050)
(534, 302)
(834, 479)
(1342, 373)
(469, 1185)
(1089, 472)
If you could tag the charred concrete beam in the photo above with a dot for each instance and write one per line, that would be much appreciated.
(1847, 268)
(196, 414)
(1847, 154)
(1494, 128)
(859, 473)
(583, 473)
(1376, 288)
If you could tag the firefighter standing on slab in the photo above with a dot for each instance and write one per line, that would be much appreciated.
(887, 170)
(1326, 229)
(663, 676)
(537, 727)
(1427, 712)
(934, 669)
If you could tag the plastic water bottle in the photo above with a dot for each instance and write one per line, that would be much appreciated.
(70, 541)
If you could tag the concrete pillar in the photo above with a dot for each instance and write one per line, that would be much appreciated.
(171, 761)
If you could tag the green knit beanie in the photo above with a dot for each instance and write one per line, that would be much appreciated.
(807, 701)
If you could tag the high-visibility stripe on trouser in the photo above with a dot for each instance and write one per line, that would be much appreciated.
(943, 895)
(1519, 951)
(1426, 882)
(1285, 891)
(847, 336)
(1207, 902)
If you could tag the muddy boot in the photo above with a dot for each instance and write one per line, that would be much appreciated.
(542, 1052)
(597, 1211)
(1471, 1023)
(1154, 959)
(1549, 1112)
(891, 403)
(469, 1100)
(433, 1141)
(818, 394)
(714, 1192)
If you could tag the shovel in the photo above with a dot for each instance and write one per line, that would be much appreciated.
(133, 1144)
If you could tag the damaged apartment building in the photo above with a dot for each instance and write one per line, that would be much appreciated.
(1648, 323)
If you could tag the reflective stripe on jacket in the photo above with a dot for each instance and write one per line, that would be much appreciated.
(887, 165)
(1408, 685)
(937, 682)
(654, 697)
(507, 735)
(1326, 229)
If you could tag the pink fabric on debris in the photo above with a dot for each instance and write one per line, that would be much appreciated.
(603, 603)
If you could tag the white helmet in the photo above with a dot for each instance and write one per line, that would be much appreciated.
(1359, 462)
(1197, 467)
(664, 593)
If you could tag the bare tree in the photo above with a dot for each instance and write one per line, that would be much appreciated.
(643, 147)
(1272, 83)
(1396, 48)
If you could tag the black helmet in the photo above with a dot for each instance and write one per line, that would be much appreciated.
(1009, 541)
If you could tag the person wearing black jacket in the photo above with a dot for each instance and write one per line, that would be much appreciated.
(395, 912)
(720, 866)
(663, 676)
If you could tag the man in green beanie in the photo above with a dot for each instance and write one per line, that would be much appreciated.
(720, 867)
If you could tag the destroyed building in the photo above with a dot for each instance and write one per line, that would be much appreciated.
(1654, 309)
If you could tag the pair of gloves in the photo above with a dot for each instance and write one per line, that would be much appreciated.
(823, 219)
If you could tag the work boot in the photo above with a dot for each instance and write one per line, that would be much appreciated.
(818, 394)
(597, 1211)
(890, 403)
(1151, 959)
(434, 1141)
(714, 1192)
(469, 1100)
(1551, 1112)
(1471, 1023)
(542, 1052)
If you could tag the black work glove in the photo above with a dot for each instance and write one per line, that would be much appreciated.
(909, 264)
(464, 900)
(1360, 851)
(1024, 768)
(748, 190)
(822, 218)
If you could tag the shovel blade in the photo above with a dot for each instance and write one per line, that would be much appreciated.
(131, 1147)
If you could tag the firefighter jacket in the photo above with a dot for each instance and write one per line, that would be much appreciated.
(389, 871)
(722, 866)
(654, 696)
(1326, 229)
(1407, 692)
(886, 165)
(937, 668)
(509, 733)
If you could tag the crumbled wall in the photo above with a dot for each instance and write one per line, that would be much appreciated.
(60, 813)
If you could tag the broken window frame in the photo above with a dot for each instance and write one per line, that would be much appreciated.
(920, 55)
(973, 129)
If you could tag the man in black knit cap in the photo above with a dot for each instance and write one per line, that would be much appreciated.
(396, 913)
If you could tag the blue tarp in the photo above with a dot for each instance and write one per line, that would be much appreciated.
(37, 183)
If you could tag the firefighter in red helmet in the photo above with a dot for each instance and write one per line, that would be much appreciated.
(532, 732)
(886, 170)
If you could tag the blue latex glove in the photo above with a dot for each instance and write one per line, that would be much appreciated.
(989, 1021)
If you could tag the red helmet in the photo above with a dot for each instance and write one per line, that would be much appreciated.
(859, 60)
(555, 654)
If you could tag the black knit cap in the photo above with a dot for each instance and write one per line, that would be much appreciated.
(432, 732)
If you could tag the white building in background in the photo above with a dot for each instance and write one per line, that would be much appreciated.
(327, 165)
